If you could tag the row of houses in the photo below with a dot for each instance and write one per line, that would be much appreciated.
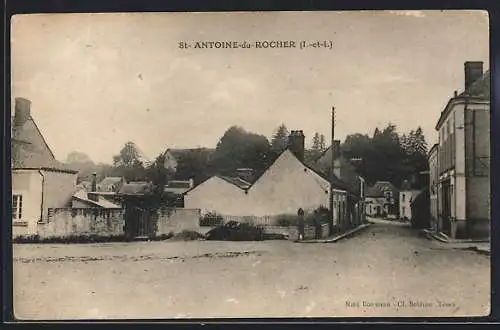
(288, 185)
(46, 198)
(459, 163)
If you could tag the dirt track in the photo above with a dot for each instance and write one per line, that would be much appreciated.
(371, 274)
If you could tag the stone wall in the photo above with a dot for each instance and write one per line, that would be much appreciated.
(64, 222)
(176, 220)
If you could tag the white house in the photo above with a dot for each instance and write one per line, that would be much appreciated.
(39, 181)
(405, 199)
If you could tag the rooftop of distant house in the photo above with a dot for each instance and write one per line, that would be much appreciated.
(99, 201)
(378, 189)
(135, 188)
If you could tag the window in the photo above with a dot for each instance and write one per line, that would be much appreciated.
(17, 207)
(403, 198)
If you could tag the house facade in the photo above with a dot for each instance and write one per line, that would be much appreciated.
(433, 186)
(406, 197)
(464, 208)
(39, 181)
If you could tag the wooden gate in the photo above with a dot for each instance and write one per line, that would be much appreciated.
(139, 222)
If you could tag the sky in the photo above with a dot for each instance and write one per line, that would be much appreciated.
(97, 81)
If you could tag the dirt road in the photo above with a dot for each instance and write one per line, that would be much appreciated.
(386, 270)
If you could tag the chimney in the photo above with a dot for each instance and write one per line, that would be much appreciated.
(336, 148)
(296, 144)
(473, 71)
(94, 182)
(22, 111)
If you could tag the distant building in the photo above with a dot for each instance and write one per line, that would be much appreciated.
(174, 156)
(110, 184)
(406, 196)
(464, 208)
(382, 200)
(39, 181)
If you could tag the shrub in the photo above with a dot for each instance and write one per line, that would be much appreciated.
(188, 235)
(235, 231)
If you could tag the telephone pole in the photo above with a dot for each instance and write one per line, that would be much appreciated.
(332, 161)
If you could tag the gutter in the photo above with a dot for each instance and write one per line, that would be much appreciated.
(41, 203)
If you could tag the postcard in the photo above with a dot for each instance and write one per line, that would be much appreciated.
(250, 165)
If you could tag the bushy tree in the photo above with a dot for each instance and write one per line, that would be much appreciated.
(238, 148)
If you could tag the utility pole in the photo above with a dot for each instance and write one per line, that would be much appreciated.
(332, 161)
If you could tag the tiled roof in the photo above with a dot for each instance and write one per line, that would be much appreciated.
(82, 195)
(109, 181)
(479, 88)
(31, 151)
(377, 190)
(136, 188)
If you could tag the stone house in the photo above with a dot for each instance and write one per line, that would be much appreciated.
(39, 181)
(463, 164)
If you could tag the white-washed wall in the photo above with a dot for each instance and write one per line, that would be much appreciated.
(64, 222)
(176, 220)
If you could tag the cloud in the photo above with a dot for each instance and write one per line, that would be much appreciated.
(412, 13)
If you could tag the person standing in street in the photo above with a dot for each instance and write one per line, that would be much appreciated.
(317, 224)
(300, 223)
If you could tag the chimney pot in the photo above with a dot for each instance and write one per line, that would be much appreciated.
(473, 71)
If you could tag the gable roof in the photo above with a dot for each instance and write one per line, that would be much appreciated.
(31, 151)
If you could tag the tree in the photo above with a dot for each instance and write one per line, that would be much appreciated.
(322, 142)
(128, 164)
(81, 162)
(238, 148)
(195, 164)
(128, 156)
(279, 141)
(316, 144)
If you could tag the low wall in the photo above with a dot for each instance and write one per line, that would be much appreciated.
(293, 231)
(176, 220)
(64, 222)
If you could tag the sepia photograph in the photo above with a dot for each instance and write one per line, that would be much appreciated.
(213, 165)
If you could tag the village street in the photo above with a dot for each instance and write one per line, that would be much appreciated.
(370, 274)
